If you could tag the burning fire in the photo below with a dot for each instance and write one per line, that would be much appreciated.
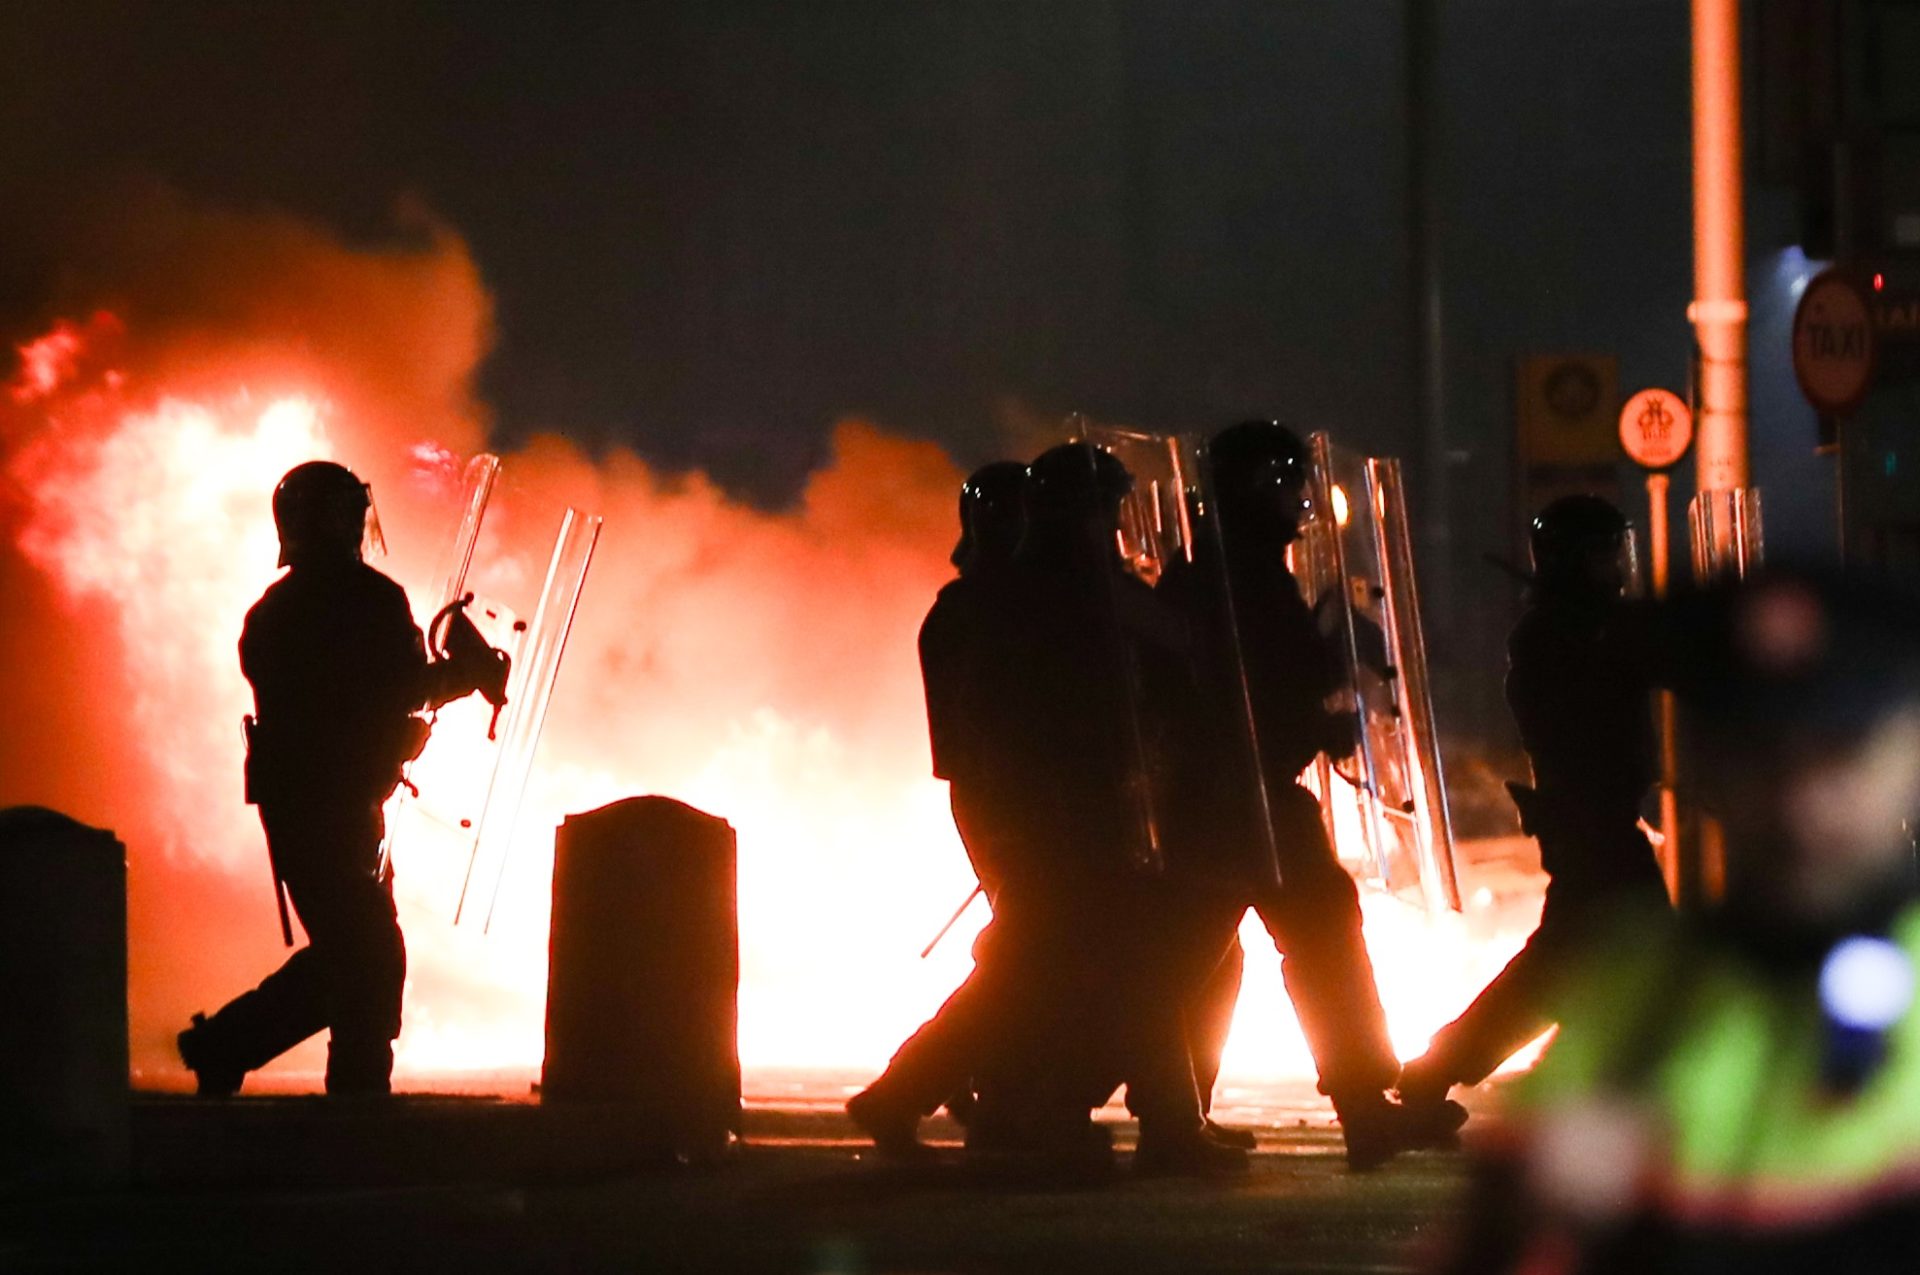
(758, 665)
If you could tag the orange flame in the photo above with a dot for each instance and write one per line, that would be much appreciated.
(759, 665)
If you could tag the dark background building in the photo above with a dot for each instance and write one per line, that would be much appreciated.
(714, 228)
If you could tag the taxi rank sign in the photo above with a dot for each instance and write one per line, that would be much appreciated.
(1834, 349)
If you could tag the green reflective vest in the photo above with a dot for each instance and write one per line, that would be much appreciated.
(1722, 1063)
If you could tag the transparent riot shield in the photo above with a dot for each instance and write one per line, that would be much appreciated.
(1193, 704)
(1155, 527)
(461, 797)
(530, 691)
(1089, 567)
(1385, 803)
(440, 804)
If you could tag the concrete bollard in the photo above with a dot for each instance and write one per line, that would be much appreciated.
(63, 961)
(644, 972)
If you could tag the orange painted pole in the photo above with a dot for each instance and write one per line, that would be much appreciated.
(1719, 317)
(1659, 553)
(1719, 310)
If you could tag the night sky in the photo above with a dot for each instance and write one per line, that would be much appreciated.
(712, 229)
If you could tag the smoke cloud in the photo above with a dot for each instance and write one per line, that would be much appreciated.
(757, 664)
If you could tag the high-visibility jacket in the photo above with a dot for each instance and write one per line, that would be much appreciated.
(1721, 1060)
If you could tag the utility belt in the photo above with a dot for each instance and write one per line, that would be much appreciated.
(282, 763)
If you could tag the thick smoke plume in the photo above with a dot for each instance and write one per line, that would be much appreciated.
(757, 664)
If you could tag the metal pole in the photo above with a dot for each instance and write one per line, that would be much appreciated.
(1426, 373)
(1658, 534)
(1719, 310)
(1719, 316)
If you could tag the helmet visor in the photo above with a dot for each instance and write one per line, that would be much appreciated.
(373, 544)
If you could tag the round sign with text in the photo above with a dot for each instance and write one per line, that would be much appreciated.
(1833, 344)
(1656, 428)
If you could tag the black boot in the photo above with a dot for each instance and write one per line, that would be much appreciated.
(1229, 1136)
(1424, 1083)
(1377, 1129)
(359, 1069)
(894, 1127)
(216, 1077)
(1189, 1154)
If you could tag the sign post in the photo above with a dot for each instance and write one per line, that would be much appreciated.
(1656, 428)
(1836, 353)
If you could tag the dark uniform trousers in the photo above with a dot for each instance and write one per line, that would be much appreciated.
(349, 978)
(1582, 903)
(1073, 980)
(1092, 979)
(1313, 917)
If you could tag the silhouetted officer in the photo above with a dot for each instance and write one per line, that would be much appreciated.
(338, 669)
(956, 663)
(1093, 932)
(1271, 673)
(1579, 683)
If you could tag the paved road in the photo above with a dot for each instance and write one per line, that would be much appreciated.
(284, 1184)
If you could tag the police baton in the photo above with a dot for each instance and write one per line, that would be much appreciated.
(952, 921)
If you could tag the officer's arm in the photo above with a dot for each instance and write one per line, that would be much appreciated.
(467, 664)
(405, 679)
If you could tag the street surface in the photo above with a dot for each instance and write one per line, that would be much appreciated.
(431, 1183)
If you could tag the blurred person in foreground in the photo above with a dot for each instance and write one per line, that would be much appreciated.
(1741, 1092)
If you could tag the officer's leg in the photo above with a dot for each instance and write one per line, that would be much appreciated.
(1519, 1003)
(1174, 941)
(258, 1026)
(1315, 922)
(1200, 957)
(1209, 1019)
(350, 917)
(935, 1063)
(1045, 1049)
(286, 1008)
(1510, 1011)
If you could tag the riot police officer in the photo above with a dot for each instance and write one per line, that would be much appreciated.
(1579, 682)
(1095, 660)
(1272, 677)
(960, 683)
(338, 670)
(935, 1064)
(1033, 699)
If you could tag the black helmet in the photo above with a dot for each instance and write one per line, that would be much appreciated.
(322, 510)
(1569, 529)
(993, 512)
(1261, 471)
(1265, 450)
(1077, 480)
